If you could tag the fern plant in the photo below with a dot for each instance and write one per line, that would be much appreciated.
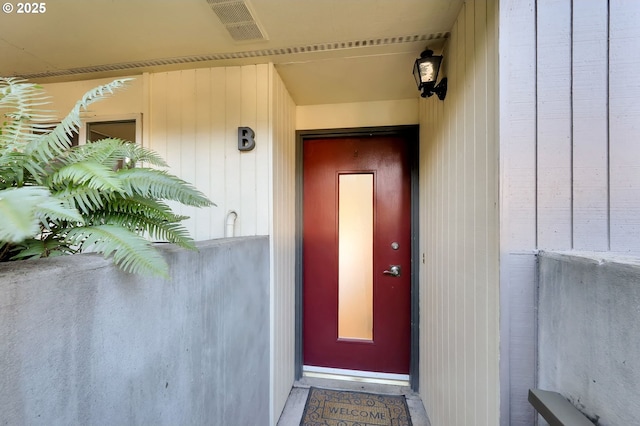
(58, 199)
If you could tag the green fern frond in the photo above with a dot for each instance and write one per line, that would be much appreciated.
(158, 230)
(105, 151)
(87, 173)
(149, 207)
(21, 100)
(85, 199)
(34, 248)
(137, 153)
(146, 216)
(65, 199)
(110, 151)
(13, 165)
(23, 210)
(160, 184)
(54, 209)
(54, 143)
(17, 212)
(130, 252)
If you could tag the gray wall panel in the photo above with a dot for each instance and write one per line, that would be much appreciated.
(588, 343)
(84, 343)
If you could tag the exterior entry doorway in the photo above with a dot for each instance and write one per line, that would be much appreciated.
(357, 252)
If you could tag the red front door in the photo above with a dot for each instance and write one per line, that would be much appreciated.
(357, 253)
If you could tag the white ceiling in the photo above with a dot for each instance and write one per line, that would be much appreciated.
(326, 51)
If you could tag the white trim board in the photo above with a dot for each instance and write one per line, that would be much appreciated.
(355, 375)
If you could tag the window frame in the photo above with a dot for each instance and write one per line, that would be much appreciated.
(137, 117)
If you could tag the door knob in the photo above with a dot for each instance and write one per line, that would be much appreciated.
(394, 271)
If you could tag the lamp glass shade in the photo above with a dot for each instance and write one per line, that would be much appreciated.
(416, 73)
(425, 70)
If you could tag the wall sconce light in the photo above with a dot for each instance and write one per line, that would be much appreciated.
(425, 71)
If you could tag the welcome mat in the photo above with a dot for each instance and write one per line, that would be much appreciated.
(345, 408)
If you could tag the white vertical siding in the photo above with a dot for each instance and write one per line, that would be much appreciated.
(201, 125)
(579, 117)
(282, 196)
(459, 380)
(590, 127)
(624, 130)
(554, 123)
(193, 120)
(517, 47)
(570, 158)
(128, 100)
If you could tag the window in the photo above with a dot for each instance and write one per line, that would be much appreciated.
(125, 130)
(126, 127)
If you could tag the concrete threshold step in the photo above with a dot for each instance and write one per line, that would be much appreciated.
(292, 413)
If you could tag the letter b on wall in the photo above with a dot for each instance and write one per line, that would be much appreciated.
(246, 139)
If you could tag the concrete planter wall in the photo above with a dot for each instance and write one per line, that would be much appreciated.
(83, 343)
(589, 333)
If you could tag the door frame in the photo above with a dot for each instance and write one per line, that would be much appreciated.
(411, 134)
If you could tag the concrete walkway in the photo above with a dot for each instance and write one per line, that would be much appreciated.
(294, 407)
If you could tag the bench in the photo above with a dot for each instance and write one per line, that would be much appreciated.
(556, 410)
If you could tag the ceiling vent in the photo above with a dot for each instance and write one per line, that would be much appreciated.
(237, 19)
